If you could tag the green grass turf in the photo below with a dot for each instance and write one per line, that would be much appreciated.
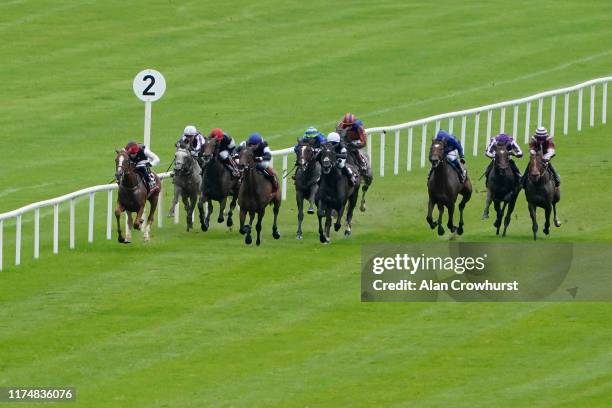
(201, 320)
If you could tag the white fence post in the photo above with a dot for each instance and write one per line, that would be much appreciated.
(579, 124)
(527, 120)
(396, 155)
(502, 120)
(176, 212)
(604, 103)
(382, 154)
(36, 233)
(566, 113)
(109, 215)
(437, 127)
(463, 124)
(540, 108)
(369, 141)
(423, 141)
(90, 229)
(592, 112)
(489, 124)
(553, 108)
(476, 126)
(160, 204)
(1, 242)
(72, 223)
(409, 154)
(285, 165)
(450, 125)
(515, 121)
(18, 240)
(56, 228)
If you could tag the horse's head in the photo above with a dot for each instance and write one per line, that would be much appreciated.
(305, 154)
(537, 167)
(502, 155)
(182, 160)
(123, 165)
(436, 152)
(246, 158)
(327, 158)
(209, 149)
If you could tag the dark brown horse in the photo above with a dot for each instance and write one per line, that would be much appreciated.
(367, 176)
(503, 187)
(307, 178)
(444, 187)
(217, 185)
(256, 193)
(132, 198)
(335, 195)
(540, 191)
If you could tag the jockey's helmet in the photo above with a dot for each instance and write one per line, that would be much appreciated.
(311, 132)
(132, 148)
(254, 139)
(216, 133)
(541, 133)
(190, 130)
(333, 138)
(348, 119)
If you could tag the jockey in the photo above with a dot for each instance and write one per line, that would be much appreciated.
(334, 140)
(513, 149)
(226, 149)
(263, 155)
(452, 149)
(311, 137)
(192, 140)
(541, 140)
(144, 159)
(353, 132)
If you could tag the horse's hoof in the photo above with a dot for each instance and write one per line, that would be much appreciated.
(546, 231)
(258, 242)
(557, 224)
(440, 231)
(347, 233)
(362, 208)
(230, 223)
(275, 234)
(310, 211)
(121, 240)
(298, 237)
(337, 227)
(485, 216)
(248, 240)
(220, 220)
(322, 239)
(460, 230)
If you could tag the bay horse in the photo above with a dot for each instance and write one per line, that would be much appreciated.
(503, 187)
(307, 178)
(217, 184)
(187, 181)
(132, 198)
(367, 175)
(444, 186)
(335, 194)
(540, 191)
(256, 193)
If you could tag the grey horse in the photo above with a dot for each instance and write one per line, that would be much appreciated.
(187, 181)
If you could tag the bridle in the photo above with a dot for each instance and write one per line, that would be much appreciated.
(124, 165)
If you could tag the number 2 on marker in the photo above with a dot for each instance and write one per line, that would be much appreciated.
(146, 91)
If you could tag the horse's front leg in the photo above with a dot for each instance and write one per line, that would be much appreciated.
(439, 222)
(230, 213)
(338, 222)
(260, 215)
(118, 211)
(188, 211)
(247, 239)
(138, 221)
(429, 218)
(311, 198)
(275, 210)
(299, 199)
(349, 213)
(328, 223)
(485, 213)
(466, 197)
(129, 227)
(242, 230)
(547, 212)
(174, 202)
(451, 213)
(534, 220)
(222, 205)
(320, 214)
(498, 216)
(367, 178)
(507, 219)
(150, 219)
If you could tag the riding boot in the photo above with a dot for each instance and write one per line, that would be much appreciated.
(363, 164)
(555, 175)
(460, 171)
(516, 171)
(350, 175)
(271, 175)
(153, 187)
(487, 172)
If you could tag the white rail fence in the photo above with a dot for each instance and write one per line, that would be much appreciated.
(522, 106)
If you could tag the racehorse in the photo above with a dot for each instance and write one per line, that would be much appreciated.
(132, 197)
(217, 184)
(187, 181)
(307, 178)
(503, 187)
(444, 186)
(540, 191)
(367, 176)
(256, 193)
(335, 193)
